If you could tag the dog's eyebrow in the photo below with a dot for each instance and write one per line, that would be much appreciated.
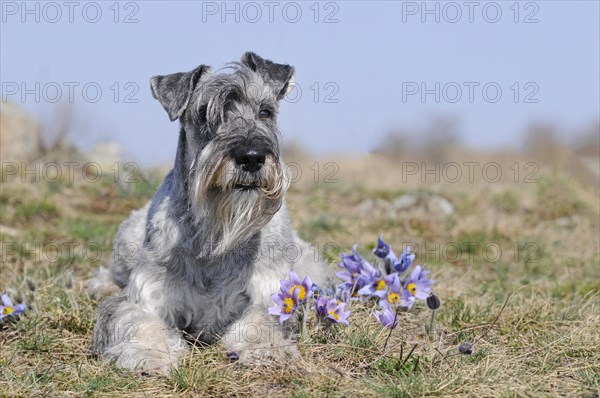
(233, 95)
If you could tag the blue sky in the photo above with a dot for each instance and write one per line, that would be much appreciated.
(367, 61)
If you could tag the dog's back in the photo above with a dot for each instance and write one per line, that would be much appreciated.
(126, 248)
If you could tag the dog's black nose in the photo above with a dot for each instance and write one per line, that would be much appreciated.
(251, 159)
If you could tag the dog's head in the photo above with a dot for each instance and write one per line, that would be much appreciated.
(231, 147)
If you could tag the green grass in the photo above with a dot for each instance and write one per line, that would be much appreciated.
(557, 198)
(42, 209)
(543, 343)
(99, 232)
(319, 224)
(507, 201)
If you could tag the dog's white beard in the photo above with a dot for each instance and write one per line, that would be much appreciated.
(229, 215)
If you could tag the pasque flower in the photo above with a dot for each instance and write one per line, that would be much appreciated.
(393, 293)
(293, 291)
(357, 272)
(433, 301)
(385, 252)
(405, 260)
(352, 265)
(387, 317)
(384, 279)
(332, 309)
(466, 348)
(378, 285)
(7, 308)
(302, 288)
(286, 305)
(336, 313)
(417, 286)
(383, 249)
(321, 306)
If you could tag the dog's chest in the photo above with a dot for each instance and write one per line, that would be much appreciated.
(210, 296)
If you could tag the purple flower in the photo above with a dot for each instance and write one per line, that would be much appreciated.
(317, 289)
(233, 356)
(392, 294)
(294, 291)
(7, 308)
(369, 273)
(417, 286)
(385, 252)
(466, 348)
(321, 306)
(383, 249)
(344, 292)
(352, 265)
(301, 288)
(405, 260)
(387, 317)
(357, 272)
(286, 305)
(332, 309)
(336, 313)
(378, 286)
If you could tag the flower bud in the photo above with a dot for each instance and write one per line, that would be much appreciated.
(233, 356)
(466, 348)
(433, 301)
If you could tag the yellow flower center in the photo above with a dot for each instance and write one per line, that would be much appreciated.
(334, 315)
(288, 305)
(412, 288)
(393, 298)
(301, 291)
(380, 284)
(7, 310)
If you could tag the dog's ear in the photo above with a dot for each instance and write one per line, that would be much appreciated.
(279, 76)
(174, 91)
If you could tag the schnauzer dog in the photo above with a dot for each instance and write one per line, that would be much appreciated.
(200, 260)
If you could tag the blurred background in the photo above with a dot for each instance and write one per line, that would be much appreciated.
(371, 75)
(403, 111)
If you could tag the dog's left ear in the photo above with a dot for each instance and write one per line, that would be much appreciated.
(174, 91)
(279, 76)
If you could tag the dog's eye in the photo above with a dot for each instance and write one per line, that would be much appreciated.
(265, 114)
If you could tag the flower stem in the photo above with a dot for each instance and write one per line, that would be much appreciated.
(431, 321)
(391, 329)
(304, 313)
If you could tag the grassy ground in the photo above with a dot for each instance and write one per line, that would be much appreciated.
(537, 242)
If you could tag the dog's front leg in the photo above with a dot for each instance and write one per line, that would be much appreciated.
(259, 339)
(135, 339)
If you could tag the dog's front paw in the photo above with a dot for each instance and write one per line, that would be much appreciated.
(268, 354)
(147, 362)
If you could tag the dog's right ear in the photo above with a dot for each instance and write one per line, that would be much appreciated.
(174, 91)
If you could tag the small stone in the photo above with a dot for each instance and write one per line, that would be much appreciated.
(370, 206)
(567, 221)
(405, 202)
(442, 205)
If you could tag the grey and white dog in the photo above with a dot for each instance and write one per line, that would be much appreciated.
(200, 260)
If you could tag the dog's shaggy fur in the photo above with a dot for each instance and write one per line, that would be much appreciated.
(200, 261)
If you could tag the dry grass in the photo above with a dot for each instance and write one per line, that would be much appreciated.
(544, 343)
